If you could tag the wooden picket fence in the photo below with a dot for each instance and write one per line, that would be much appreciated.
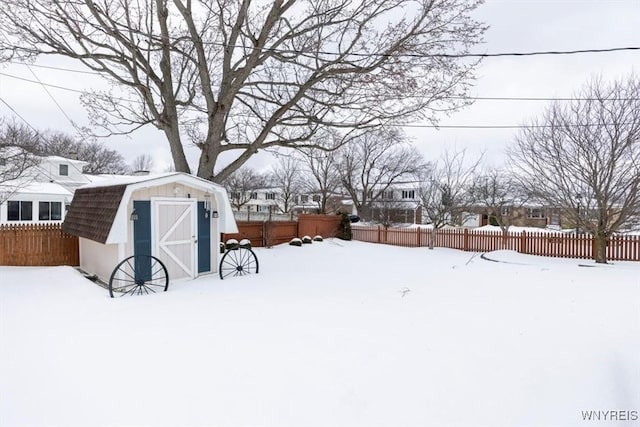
(37, 244)
(620, 248)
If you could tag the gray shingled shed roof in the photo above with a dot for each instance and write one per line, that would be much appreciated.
(92, 212)
(98, 212)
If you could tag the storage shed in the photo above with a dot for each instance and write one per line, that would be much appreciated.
(175, 217)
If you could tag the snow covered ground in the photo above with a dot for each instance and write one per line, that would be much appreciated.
(329, 334)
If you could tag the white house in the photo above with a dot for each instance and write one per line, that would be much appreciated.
(43, 193)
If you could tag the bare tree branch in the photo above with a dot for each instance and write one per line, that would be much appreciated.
(242, 76)
(586, 160)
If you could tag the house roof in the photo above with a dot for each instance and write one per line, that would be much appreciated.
(19, 187)
(92, 212)
(99, 210)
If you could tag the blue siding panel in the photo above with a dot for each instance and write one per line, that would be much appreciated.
(142, 239)
(204, 239)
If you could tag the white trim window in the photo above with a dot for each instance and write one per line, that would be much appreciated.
(270, 196)
(19, 210)
(64, 170)
(536, 213)
(50, 211)
(408, 194)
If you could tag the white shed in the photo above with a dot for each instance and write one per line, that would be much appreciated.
(174, 217)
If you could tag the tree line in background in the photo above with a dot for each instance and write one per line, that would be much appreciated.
(21, 147)
(581, 158)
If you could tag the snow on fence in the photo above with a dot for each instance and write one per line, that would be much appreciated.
(37, 244)
(620, 248)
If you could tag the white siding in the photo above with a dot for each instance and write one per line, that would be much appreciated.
(98, 259)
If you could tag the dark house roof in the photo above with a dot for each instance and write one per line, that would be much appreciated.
(92, 212)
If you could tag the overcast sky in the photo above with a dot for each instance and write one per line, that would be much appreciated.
(515, 26)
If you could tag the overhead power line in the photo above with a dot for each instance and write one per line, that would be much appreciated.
(471, 98)
(360, 54)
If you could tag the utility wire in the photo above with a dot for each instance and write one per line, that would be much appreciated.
(473, 98)
(416, 55)
(64, 113)
(39, 136)
(314, 54)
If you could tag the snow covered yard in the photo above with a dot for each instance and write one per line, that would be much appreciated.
(330, 334)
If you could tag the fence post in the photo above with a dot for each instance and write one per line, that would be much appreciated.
(523, 242)
(418, 236)
(379, 235)
(465, 240)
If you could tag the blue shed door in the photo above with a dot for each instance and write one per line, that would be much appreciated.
(142, 239)
(204, 239)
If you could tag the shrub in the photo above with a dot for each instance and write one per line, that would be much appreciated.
(317, 238)
(295, 242)
(223, 247)
(232, 244)
(245, 243)
(306, 240)
(344, 232)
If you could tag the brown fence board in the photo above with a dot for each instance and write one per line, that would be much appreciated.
(620, 248)
(268, 233)
(37, 245)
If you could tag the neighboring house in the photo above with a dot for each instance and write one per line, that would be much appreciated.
(398, 204)
(44, 193)
(528, 215)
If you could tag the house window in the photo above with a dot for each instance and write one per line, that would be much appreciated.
(270, 196)
(304, 199)
(262, 208)
(316, 198)
(253, 196)
(50, 211)
(64, 170)
(235, 195)
(408, 194)
(294, 199)
(19, 211)
(535, 213)
(388, 195)
(505, 211)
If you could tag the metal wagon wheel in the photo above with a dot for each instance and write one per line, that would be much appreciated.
(238, 262)
(138, 275)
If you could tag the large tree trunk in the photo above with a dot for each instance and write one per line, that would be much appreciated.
(600, 249)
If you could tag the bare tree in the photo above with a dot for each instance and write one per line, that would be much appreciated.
(142, 162)
(444, 189)
(499, 195)
(371, 164)
(323, 175)
(17, 161)
(241, 76)
(285, 176)
(241, 184)
(584, 157)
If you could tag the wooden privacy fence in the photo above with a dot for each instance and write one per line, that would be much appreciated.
(37, 244)
(620, 248)
(267, 233)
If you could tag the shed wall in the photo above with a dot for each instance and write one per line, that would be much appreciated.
(98, 259)
(180, 191)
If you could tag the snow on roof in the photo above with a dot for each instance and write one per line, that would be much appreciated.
(35, 187)
(109, 180)
(99, 212)
(64, 159)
